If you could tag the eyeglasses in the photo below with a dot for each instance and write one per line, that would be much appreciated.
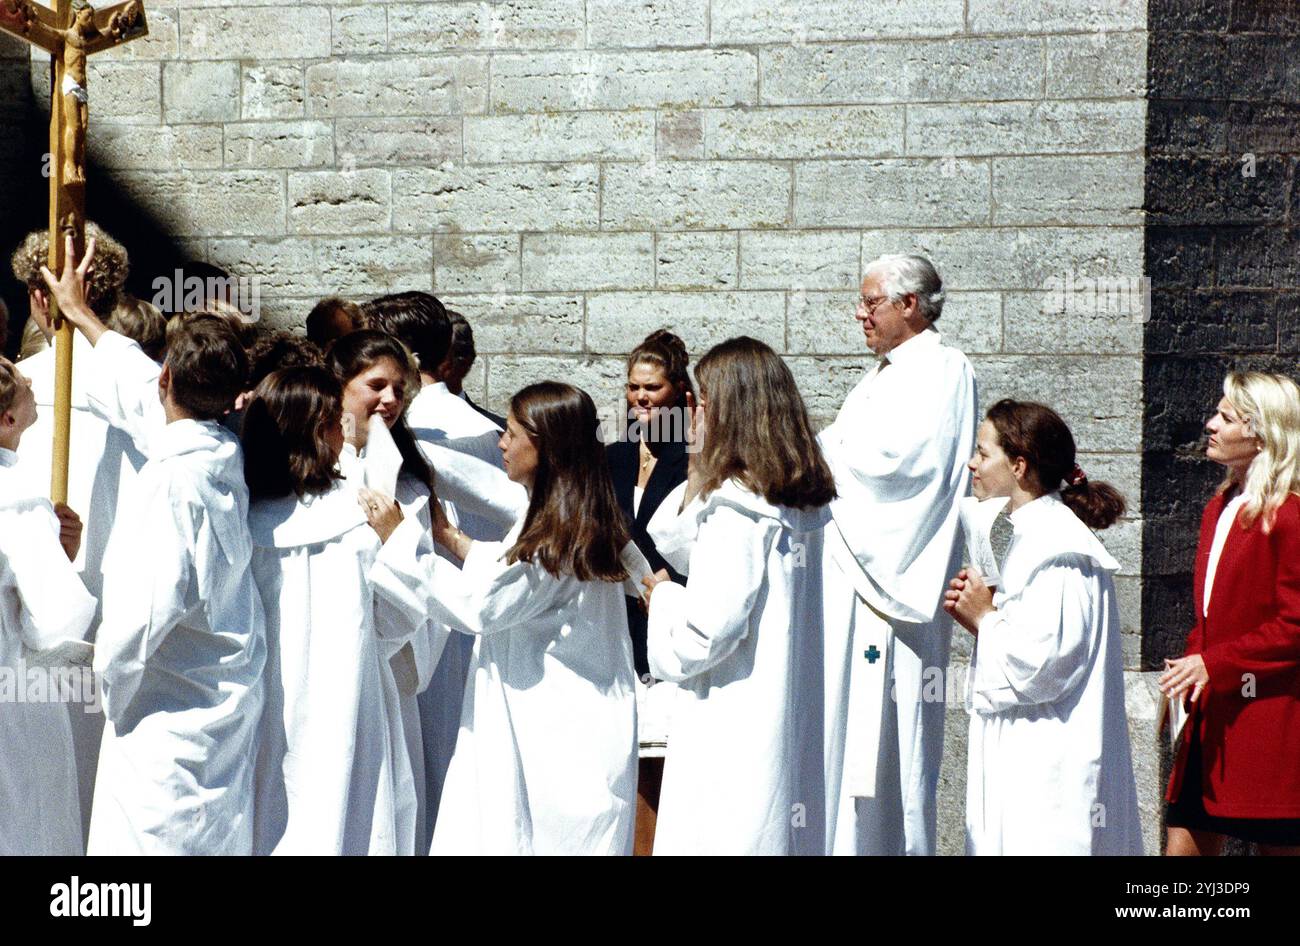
(871, 305)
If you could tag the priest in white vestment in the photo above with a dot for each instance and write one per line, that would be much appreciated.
(43, 604)
(898, 449)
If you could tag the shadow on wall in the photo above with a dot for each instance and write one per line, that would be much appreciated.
(24, 194)
(1223, 255)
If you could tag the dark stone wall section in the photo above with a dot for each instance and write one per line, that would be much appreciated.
(1223, 254)
(23, 140)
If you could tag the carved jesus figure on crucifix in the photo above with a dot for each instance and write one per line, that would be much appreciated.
(88, 33)
(76, 39)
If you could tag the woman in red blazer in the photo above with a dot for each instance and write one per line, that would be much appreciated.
(1237, 772)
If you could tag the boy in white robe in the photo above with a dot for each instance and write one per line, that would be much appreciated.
(898, 450)
(182, 644)
(42, 604)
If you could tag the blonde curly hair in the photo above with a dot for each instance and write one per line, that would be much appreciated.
(107, 275)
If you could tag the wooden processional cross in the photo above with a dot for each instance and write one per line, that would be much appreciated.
(70, 33)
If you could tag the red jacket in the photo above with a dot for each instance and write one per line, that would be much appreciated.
(1249, 716)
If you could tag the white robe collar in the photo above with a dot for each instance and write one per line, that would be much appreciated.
(16, 492)
(918, 346)
(192, 436)
(732, 493)
(1045, 529)
(223, 462)
(290, 522)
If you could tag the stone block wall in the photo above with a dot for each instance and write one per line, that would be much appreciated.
(572, 174)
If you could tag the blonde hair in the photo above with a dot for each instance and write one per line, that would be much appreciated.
(106, 278)
(1269, 404)
(33, 341)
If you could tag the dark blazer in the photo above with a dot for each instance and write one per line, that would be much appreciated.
(1248, 719)
(669, 472)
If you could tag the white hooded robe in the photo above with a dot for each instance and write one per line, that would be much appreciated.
(743, 642)
(1049, 768)
(182, 643)
(42, 604)
(333, 774)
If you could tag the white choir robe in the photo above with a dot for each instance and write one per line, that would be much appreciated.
(102, 466)
(898, 449)
(744, 772)
(461, 446)
(333, 773)
(182, 644)
(1049, 768)
(546, 756)
(42, 604)
(410, 663)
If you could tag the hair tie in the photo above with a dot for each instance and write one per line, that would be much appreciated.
(1078, 477)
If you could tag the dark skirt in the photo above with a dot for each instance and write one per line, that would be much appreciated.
(1188, 810)
(637, 627)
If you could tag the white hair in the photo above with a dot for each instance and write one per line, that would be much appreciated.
(905, 274)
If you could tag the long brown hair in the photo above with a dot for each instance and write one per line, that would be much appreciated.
(286, 433)
(574, 525)
(1039, 435)
(758, 429)
(356, 352)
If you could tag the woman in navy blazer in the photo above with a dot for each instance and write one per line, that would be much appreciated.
(1237, 771)
(650, 461)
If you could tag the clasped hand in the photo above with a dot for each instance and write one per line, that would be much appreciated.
(968, 599)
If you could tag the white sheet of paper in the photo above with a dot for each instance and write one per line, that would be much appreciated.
(638, 568)
(383, 461)
(1175, 715)
(976, 521)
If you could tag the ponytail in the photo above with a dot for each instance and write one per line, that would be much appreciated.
(1098, 505)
